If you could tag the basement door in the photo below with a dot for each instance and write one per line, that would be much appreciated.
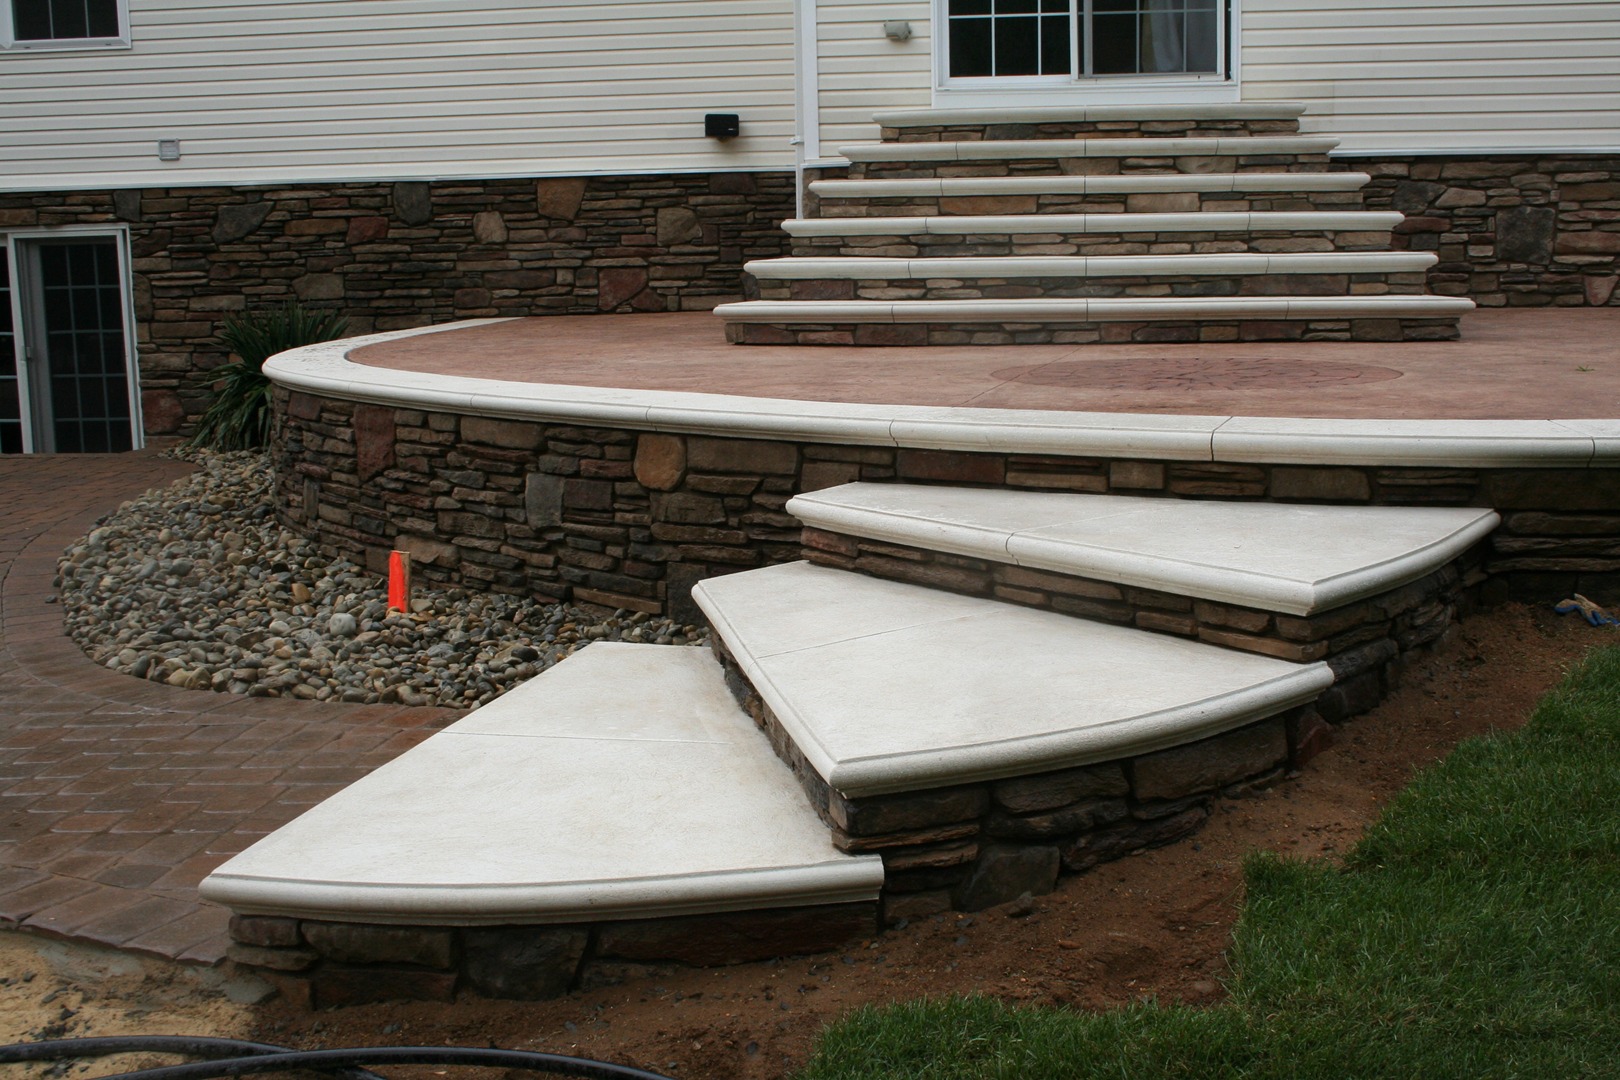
(68, 380)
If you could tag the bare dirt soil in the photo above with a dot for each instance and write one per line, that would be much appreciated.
(1155, 924)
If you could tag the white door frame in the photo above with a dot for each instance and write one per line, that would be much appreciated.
(23, 319)
(1096, 90)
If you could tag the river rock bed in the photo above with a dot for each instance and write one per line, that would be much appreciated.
(196, 585)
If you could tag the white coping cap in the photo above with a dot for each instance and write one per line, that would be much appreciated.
(623, 783)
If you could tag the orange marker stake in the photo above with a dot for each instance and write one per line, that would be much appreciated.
(399, 581)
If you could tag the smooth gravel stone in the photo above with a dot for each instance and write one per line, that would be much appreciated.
(342, 624)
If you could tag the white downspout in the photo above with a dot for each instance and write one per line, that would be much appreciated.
(807, 94)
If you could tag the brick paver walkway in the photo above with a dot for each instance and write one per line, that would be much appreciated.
(118, 796)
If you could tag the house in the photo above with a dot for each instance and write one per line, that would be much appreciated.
(166, 162)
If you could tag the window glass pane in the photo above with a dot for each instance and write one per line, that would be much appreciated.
(1113, 48)
(1018, 47)
(970, 48)
(103, 17)
(31, 19)
(1203, 50)
(1009, 37)
(64, 20)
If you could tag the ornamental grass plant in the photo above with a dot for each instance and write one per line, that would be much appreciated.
(1474, 932)
(238, 417)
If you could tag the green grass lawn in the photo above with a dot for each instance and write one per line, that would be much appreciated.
(1474, 932)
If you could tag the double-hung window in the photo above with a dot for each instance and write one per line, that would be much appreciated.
(64, 24)
(1059, 41)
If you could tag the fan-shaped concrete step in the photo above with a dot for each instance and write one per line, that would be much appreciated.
(1287, 557)
(885, 687)
(587, 793)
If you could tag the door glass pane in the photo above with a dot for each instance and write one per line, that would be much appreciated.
(82, 302)
(10, 392)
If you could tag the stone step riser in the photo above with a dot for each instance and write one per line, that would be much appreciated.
(1098, 166)
(1087, 333)
(941, 246)
(1102, 287)
(1145, 203)
(1113, 129)
(1353, 638)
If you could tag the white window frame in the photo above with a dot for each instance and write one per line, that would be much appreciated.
(9, 42)
(11, 241)
(1093, 89)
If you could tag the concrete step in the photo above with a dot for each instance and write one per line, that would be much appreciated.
(1082, 320)
(1235, 146)
(1314, 221)
(1236, 111)
(884, 687)
(1122, 184)
(1283, 557)
(588, 793)
(859, 268)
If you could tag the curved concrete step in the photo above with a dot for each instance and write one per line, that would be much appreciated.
(859, 268)
(1061, 224)
(1112, 309)
(1058, 114)
(1287, 557)
(1146, 147)
(587, 793)
(886, 687)
(1126, 184)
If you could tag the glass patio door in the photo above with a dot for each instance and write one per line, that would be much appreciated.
(74, 390)
(1064, 41)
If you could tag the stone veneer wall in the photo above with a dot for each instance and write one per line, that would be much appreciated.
(395, 256)
(633, 519)
(1511, 231)
(323, 964)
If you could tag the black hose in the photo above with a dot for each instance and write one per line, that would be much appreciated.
(189, 1045)
(279, 1060)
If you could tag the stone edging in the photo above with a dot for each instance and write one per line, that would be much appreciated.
(326, 370)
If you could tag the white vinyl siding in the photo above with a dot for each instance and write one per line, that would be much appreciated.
(1439, 76)
(309, 90)
(863, 72)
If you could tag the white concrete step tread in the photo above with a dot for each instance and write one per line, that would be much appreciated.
(1286, 557)
(624, 782)
(1062, 224)
(1147, 147)
(1126, 184)
(861, 268)
(1082, 309)
(890, 687)
(1057, 114)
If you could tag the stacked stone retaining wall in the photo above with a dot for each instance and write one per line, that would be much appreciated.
(632, 519)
